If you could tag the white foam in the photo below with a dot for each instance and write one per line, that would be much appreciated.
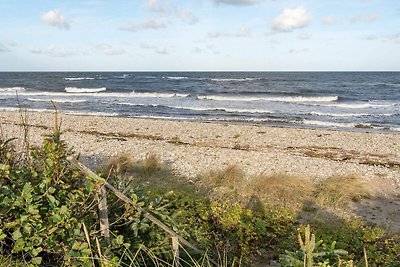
(12, 89)
(84, 90)
(294, 99)
(123, 76)
(157, 95)
(341, 114)
(138, 105)
(230, 110)
(57, 100)
(94, 113)
(233, 79)
(175, 77)
(78, 78)
(27, 109)
(328, 124)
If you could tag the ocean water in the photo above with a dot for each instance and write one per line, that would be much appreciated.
(367, 101)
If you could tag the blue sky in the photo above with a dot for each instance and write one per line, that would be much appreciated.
(261, 35)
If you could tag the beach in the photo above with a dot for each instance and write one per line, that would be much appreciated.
(192, 148)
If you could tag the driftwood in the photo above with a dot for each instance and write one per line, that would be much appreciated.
(145, 213)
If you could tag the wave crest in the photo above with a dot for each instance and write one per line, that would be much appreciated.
(84, 90)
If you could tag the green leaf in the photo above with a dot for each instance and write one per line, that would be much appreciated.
(16, 235)
(52, 200)
(56, 218)
(37, 260)
(19, 245)
(83, 246)
(51, 190)
(76, 245)
(36, 251)
(49, 162)
(89, 186)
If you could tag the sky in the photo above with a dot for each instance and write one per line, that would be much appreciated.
(200, 35)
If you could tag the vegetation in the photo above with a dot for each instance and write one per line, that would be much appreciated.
(49, 216)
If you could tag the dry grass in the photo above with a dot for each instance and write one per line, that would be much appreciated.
(119, 165)
(231, 177)
(338, 191)
(281, 189)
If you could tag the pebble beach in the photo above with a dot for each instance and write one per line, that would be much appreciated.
(192, 148)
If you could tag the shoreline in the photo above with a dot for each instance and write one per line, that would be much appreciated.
(191, 148)
(289, 125)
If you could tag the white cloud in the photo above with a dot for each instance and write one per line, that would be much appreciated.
(242, 32)
(158, 49)
(187, 16)
(109, 50)
(148, 24)
(156, 5)
(237, 2)
(54, 51)
(329, 20)
(291, 19)
(54, 18)
(168, 9)
(304, 36)
(364, 18)
(161, 50)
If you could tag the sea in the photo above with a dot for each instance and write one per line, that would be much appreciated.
(363, 101)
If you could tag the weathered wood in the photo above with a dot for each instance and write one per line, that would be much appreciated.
(175, 248)
(103, 214)
(124, 198)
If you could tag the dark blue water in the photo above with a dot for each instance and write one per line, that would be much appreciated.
(343, 100)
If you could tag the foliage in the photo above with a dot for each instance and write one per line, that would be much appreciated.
(48, 215)
(43, 204)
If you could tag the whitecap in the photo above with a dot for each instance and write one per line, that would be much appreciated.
(293, 99)
(84, 90)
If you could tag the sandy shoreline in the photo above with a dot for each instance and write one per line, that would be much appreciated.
(193, 147)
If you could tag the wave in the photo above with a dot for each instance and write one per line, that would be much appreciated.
(294, 99)
(356, 105)
(157, 95)
(138, 105)
(12, 89)
(57, 100)
(329, 124)
(123, 76)
(341, 114)
(92, 113)
(175, 77)
(229, 110)
(232, 79)
(78, 78)
(84, 90)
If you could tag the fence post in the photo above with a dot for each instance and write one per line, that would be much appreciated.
(175, 248)
(103, 214)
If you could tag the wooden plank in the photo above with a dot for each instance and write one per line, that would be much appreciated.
(124, 198)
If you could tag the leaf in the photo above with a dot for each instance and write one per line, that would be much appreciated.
(83, 246)
(89, 186)
(56, 218)
(76, 245)
(36, 251)
(37, 260)
(27, 189)
(16, 235)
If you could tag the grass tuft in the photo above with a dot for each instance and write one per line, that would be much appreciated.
(338, 191)
(281, 189)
